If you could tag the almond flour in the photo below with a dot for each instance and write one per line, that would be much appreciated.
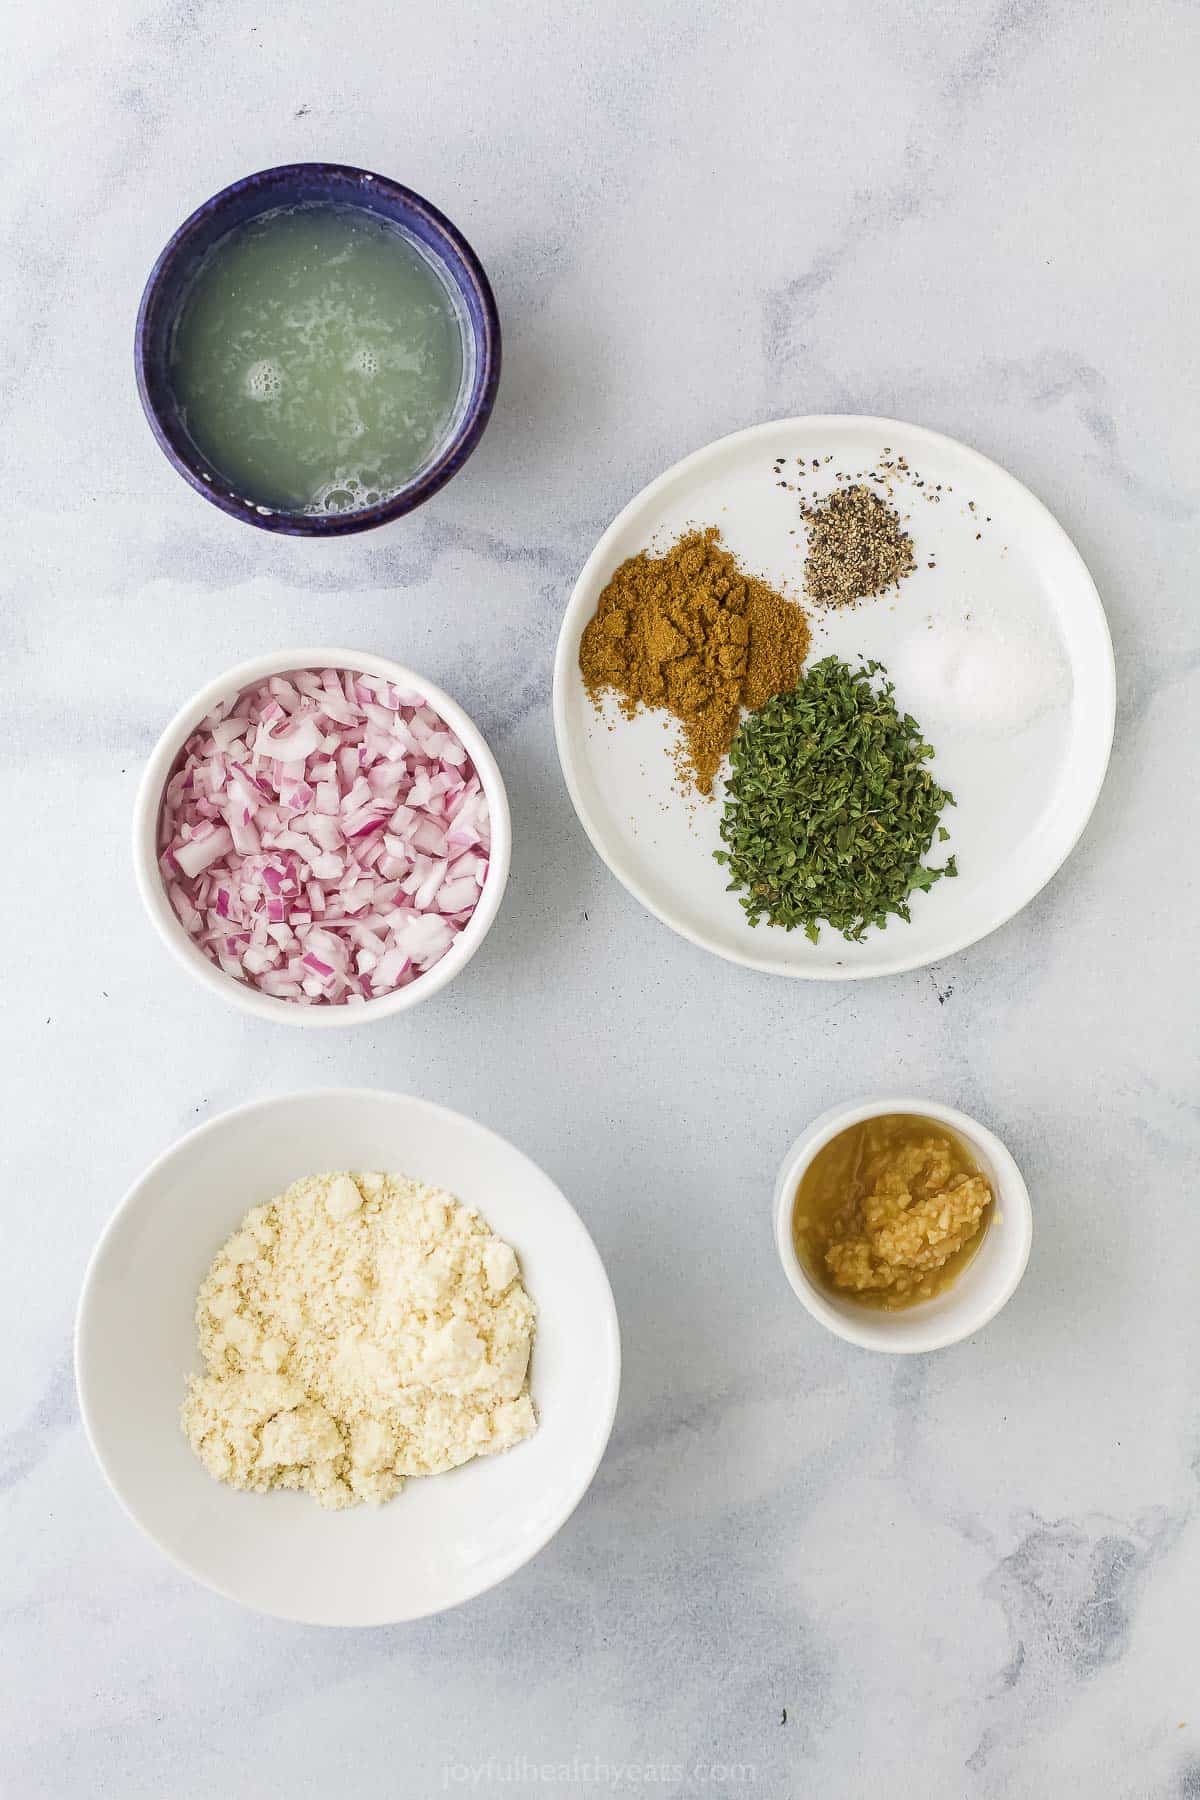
(356, 1330)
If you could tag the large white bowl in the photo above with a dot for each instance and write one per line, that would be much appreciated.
(145, 841)
(444, 1538)
(989, 1280)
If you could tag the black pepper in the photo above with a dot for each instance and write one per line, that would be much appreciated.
(857, 547)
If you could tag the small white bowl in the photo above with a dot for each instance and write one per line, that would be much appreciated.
(444, 1538)
(986, 1284)
(162, 913)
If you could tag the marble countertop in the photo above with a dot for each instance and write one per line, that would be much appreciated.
(802, 1570)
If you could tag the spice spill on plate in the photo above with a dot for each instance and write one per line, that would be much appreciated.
(891, 1211)
(691, 632)
(830, 810)
(857, 542)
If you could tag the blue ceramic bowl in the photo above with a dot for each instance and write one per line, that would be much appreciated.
(292, 185)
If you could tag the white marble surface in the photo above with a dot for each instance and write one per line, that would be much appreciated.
(970, 1575)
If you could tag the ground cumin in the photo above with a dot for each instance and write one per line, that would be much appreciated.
(691, 632)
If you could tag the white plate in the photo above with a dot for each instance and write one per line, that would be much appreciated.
(1020, 592)
(444, 1538)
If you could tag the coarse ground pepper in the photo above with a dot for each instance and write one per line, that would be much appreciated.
(857, 547)
(691, 632)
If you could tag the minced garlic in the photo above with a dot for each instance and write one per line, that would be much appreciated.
(891, 1211)
(356, 1330)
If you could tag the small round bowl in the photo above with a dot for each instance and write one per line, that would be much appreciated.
(446, 1537)
(148, 804)
(986, 1284)
(296, 184)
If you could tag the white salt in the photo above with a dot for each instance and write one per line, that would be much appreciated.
(979, 674)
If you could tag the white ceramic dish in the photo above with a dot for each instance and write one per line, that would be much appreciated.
(1023, 796)
(986, 1284)
(240, 993)
(443, 1539)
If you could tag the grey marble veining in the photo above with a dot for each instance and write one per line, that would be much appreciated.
(966, 1578)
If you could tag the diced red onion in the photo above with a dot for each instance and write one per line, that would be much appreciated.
(325, 837)
(205, 847)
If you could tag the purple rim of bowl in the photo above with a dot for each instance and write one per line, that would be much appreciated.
(294, 184)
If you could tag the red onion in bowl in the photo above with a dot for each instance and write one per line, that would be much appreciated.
(324, 837)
